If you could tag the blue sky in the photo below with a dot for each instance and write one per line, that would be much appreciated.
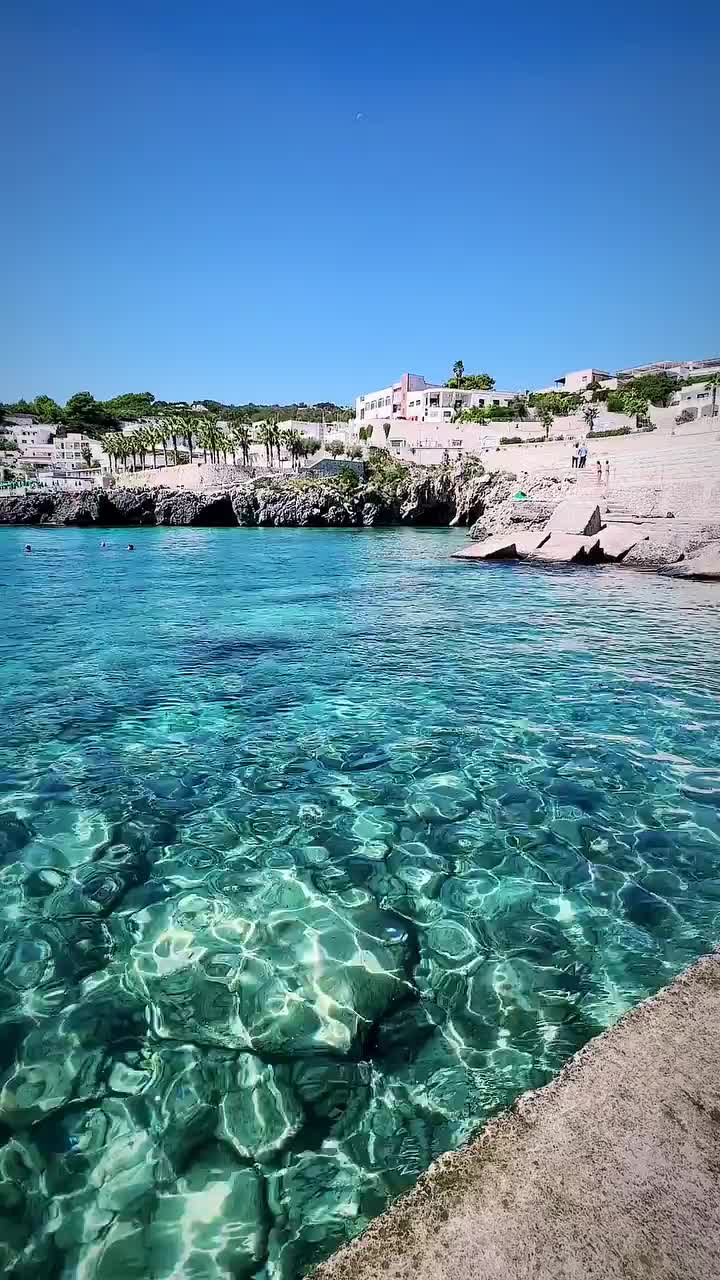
(304, 200)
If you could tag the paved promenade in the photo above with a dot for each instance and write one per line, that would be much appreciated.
(612, 1171)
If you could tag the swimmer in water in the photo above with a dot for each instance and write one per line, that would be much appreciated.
(103, 544)
(28, 548)
(130, 546)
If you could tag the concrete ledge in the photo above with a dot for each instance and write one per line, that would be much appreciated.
(499, 547)
(616, 541)
(568, 548)
(610, 1172)
(576, 515)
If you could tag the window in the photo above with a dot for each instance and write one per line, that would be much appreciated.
(387, 399)
(434, 402)
(456, 444)
(496, 402)
(447, 413)
(362, 414)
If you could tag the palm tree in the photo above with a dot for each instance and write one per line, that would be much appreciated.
(212, 438)
(161, 435)
(151, 439)
(186, 426)
(266, 436)
(458, 372)
(133, 446)
(242, 437)
(590, 413)
(712, 384)
(292, 440)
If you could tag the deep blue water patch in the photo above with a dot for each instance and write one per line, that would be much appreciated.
(317, 848)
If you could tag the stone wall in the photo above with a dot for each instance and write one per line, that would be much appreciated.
(195, 476)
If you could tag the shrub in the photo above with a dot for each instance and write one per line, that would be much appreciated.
(615, 431)
(522, 440)
(348, 479)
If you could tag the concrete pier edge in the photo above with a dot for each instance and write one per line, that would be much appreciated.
(610, 1170)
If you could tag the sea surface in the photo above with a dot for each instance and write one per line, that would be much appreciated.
(316, 849)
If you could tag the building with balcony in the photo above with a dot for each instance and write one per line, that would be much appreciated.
(413, 399)
(390, 402)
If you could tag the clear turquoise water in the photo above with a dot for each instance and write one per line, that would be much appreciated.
(316, 849)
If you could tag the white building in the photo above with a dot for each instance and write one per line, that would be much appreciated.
(676, 368)
(413, 399)
(696, 399)
(442, 404)
(69, 450)
(390, 402)
(580, 380)
(27, 433)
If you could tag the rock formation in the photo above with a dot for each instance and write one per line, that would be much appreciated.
(430, 496)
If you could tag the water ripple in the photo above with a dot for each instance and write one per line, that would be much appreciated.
(317, 848)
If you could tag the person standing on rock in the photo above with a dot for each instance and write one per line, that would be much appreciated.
(599, 471)
(607, 472)
(582, 456)
(575, 455)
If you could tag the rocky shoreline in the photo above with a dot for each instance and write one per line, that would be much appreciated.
(557, 526)
(439, 496)
(465, 495)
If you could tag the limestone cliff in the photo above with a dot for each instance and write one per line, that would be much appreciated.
(415, 495)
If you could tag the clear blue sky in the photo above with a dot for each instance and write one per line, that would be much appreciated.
(303, 200)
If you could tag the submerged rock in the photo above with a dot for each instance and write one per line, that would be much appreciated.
(286, 967)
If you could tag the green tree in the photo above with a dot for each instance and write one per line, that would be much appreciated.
(562, 403)
(658, 388)
(470, 381)
(84, 413)
(335, 448)
(47, 410)
(134, 404)
(86, 453)
(546, 416)
(311, 446)
(636, 406)
(355, 451)
(519, 408)
(387, 427)
(458, 371)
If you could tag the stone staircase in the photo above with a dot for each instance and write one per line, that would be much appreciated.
(650, 474)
